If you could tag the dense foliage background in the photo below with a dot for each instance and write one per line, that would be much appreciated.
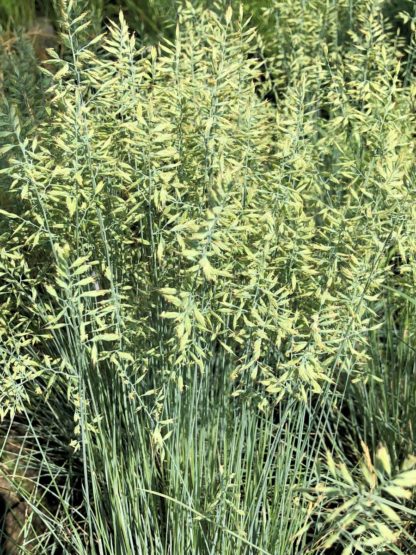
(207, 277)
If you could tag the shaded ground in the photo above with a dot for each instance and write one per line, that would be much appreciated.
(15, 513)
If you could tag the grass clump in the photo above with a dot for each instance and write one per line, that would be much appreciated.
(207, 266)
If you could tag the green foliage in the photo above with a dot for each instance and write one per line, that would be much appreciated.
(368, 513)
(207, 252)
(17, 12)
